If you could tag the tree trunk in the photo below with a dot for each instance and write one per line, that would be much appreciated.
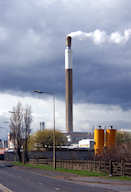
(19, 154)
(25, 152)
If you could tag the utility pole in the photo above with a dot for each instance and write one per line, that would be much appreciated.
(54, 139)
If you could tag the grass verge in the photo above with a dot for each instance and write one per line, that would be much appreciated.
(49, 168)
(77, 172)
(122, 178)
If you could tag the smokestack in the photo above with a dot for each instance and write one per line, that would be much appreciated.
(68, 41)
(69, 93)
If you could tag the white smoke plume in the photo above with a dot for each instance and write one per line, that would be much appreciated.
(99, 37)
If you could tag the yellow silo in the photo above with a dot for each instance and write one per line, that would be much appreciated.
(99, 141)
(110, 138)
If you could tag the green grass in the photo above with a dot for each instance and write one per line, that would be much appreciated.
(77, 172)
(44, 167)
(122, 178)
(82, 172)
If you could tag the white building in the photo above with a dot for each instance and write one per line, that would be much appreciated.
(10, 142)
(86, 143)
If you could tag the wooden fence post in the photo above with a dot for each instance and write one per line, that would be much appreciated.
(122, 167)
(110, 168)
(94, 166)
(104, 166)
(100, 165)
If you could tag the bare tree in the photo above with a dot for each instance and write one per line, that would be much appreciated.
(27, 130)
(20, 122)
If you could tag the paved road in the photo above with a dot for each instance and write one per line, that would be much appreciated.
(22, 180)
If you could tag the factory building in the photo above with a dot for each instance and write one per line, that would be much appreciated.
(42, 125)
(75, 137)
(10, 142)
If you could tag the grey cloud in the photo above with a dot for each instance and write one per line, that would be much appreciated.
(105, 84)
(32, 55)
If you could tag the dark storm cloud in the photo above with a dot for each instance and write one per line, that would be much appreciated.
(33, 77)
(98, 83)
(103, 84)
(32, 42)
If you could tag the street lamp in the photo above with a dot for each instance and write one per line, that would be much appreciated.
(54, 139)
(11, 111)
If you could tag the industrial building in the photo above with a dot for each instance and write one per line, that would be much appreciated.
(75, 137)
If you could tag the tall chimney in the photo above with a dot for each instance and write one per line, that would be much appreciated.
(69, 93)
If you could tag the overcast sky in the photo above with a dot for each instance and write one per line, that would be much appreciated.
(32, 44)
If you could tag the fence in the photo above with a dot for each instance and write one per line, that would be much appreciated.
(110, 167)
(62, 154)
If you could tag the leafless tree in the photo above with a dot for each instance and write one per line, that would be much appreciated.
(27, 130)
(20, 123)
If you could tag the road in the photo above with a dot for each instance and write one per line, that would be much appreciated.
(24, 180)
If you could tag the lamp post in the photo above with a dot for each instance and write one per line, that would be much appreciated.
(54, 139)
(11, 111)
